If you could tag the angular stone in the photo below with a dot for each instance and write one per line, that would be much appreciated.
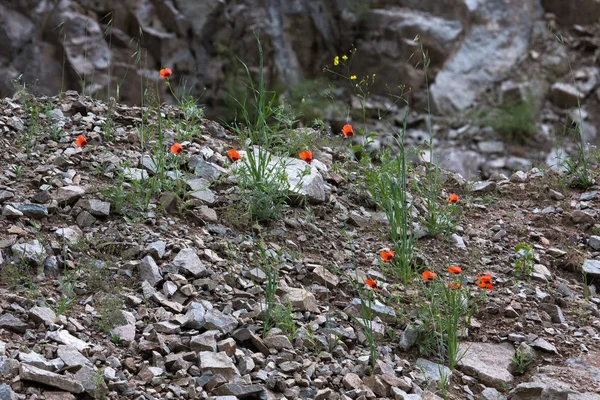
(34, 374)
(72, 235)
(488, 362)
(433, 371)
(157, 249)
(125, 333)
(381, 310)
(34, 211)
(195, 316)
(594, 242)
(218, 363)
(6, 392)
(483, 187)
(555, 312)
(278, 342)
(189, 263)
(85, 219)
(149, 271)
(322, 275)
(239, 391)
(204, 196)
(215, 319)
(544, 345)
(161, 299)
(42, 315)
(69, 194)
(97, 208)
(204, 342)
(135, 174)
(300, 299)
(564, 95)
(32, 252)
(64, 337)
(12, 323)
(71, 356)
(592, 268)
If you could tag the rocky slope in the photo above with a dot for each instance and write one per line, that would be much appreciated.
(109, 293)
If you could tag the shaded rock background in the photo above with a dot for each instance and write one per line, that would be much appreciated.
(471, 43)
(482, 53)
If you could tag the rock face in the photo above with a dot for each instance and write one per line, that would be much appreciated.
(471, 43)
(488, 362)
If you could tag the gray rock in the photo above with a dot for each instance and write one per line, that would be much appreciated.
(85, 219)
(51, 267)
(125, 333)
(204, 196)
(195, 316)
(592, 268)
(96, 207)
(72, 235)
(161, 299)
(491, 394)
(34, 211)
(32, 252)
(38, 375)
(71, 356)
(483, 187)
(409, 337)
(527, 391)
(204, 342)
(433, 371)
(278, 342)
(555, 313)
(149, 271)
(518, 177)
(544, 345)
(381, 310)
(88, 377)
(485, 55)
(491, 147)
(157, 249)
(135, 174)
(64, 337)
(10, 211)
(5, 195)
(42, 315)
(205, 170)
(564, 95)
(69, 194)
(215, 319)
(12, 323)
(240, 391)
(6, 393)
(300, 299)
(594, 242)
(189, 263)
(488, 362)
(217, 363)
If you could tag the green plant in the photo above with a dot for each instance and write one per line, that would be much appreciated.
(525, 259)
(115, 338)
(284, 318)
(269, 265)
(64, 304)
(514, 120)
(261, 177)
(109, 309)
(521, 360)
(388, 187)
(445, 310)
(579, 168)
(17, 169)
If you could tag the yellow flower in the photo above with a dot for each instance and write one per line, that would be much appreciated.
(344, 57)
(336, 60)
(353, 77)
(374, 75)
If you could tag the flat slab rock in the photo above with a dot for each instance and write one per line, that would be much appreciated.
(488, 362)
(34, 374)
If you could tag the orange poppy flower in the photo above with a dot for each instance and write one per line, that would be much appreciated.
(306, 156)
(455, 285)
(455, 269)
(371, 283)
(347, 130)
(387, 255)
(452, 199)
(233, 155)
(484, 281)
(165, 73)
(81, 141)
(176, 148)
(428, 275)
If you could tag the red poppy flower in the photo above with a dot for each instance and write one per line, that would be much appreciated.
(387, 255)
(176, 148)
(81, 141)
(233, 155)
(347, 130)
(165, 73)
(455, 285)
(484, 281)
(428, 275)
(455, 269)
(371, 283)
(452, 199)
(306, 156)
